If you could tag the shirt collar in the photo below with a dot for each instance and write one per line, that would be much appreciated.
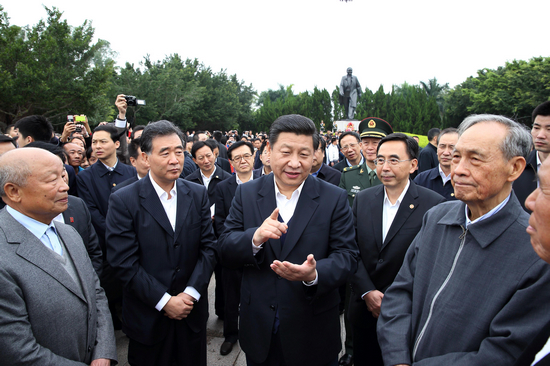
(160, 191)
(400, 198)
(297, 192)
(538, 161)
(318, 170)
(108, 167)
(444, 177)
(211, 175)
(240, 181)
(361, 162)
(35, 227)
(488, 214)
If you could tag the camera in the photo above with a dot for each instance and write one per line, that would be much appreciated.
(78, 129)
(132, 101)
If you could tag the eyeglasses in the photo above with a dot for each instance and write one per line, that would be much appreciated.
(350, 146)
(202, 157)
(392, 161)
(239, 157)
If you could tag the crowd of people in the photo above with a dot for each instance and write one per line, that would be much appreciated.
(431, 254)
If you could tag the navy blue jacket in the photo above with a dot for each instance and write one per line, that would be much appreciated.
(427, 159)
(218, 176)
(329, 174)
(527, 181)
(94, 187)
(432, 180)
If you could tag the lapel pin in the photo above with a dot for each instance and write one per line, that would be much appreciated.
(71, 219)
(411, 206)
(452, 194)
(114, 184)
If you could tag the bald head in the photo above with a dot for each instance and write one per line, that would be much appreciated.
(32, 183)
(75, 153)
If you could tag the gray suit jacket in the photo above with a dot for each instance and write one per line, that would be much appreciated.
(45, 318)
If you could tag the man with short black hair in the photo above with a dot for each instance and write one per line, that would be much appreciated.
(292, 236)
(394, 210)
(161, 245)
(540, 132)
(94, 187)
(241, 157)
(7, 143)
(33, 128)
(265, 168)
(138, 161)
(322, 171)
(427, 159)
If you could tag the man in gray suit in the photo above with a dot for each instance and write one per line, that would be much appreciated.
(471, 290)
(52, 309)
(350, 91)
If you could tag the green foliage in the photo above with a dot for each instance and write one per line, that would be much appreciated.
(52, 69)
(186, 93)
(513, 90)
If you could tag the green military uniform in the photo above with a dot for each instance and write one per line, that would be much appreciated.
(356, 178)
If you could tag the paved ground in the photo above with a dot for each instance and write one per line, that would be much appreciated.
(214, 340)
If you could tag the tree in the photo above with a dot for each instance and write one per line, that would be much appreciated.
(437, 91)
(52, 69)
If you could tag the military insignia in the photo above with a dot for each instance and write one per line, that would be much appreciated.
(361, 172)
(371, 124)
(346, 169)
(356, 187)
(411, 206)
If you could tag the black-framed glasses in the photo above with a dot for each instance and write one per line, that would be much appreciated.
(391, 161)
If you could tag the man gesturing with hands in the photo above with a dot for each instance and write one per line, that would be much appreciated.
(293, 236)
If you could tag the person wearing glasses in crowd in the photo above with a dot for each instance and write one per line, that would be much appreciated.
(350, 145)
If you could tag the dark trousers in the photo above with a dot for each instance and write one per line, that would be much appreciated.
(180, 347)
(232, 291)
(275, 356)
(365, 343)
(219, 301)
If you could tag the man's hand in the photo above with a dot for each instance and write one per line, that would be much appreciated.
(101, 362)
(294, 272)
(67, 130)
(271, 228)
(373, 300)
(178, 307)
(121, 105)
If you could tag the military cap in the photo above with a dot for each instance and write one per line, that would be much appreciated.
(374, 127)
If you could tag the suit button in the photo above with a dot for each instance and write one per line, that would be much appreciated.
(272, 307)
(380, 261)
(177, 269)
(89, 348)
(176, 246)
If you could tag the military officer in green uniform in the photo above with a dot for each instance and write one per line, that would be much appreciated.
(358, 177)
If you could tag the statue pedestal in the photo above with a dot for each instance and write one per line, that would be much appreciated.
(347, 125)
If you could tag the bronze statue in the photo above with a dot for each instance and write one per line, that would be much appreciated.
(350, 90)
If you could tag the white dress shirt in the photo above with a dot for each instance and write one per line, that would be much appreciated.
(444, 177)
(171, 208)
(389, 210)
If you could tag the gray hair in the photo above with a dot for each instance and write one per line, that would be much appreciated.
(518, 141)
(155, 129)
(15, 172)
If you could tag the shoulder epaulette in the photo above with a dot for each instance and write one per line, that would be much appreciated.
(349, 168)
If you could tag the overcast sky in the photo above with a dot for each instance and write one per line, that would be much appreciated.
(310, 43)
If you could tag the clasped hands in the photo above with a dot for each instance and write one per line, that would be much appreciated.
(271, 228)
(179, 307)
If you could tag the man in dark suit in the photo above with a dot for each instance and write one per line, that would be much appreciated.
(427, 158)
(53, 310)
(94, 187)
(438, 179)
(209, 175)
(321, 170)
(241, 155)
(350, 146)
(219, 161)
(383, 241)
(540, 132)
(162, 247)
(292, 235)
(138, 161)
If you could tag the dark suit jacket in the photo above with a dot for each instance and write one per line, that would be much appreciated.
(218, 176)
(329, 174)
(78, 216)
(189, 165)
(223, 150)
(527, 181)
(151, 259)
(127, 182)
(527, 357)
(322, 226)
(432, 180)
(94, 187)
(380, 261)
(72, 180)
(224, 164)
(427, 159)
(223, 196)
(257, 162)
